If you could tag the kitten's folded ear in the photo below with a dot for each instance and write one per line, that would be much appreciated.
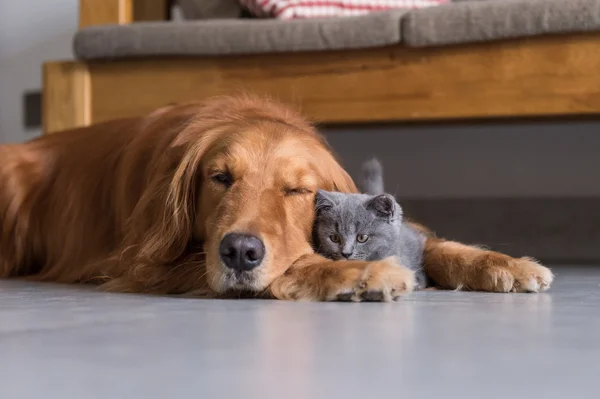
(323, 201)
(383, 205)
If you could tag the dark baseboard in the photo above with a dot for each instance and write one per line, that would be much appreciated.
(32, 110)
(554, 230)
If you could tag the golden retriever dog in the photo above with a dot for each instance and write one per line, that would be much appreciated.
(205, 199)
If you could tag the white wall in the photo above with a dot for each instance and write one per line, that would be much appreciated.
(31, 32)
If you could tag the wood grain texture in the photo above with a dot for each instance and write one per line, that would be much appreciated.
(545, 76)
(66, 96)
(554, 75)
(102, 12)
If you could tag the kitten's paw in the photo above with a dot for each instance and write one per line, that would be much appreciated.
(379, 281)
(517, 275)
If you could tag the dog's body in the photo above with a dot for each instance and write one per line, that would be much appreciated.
(200, 199)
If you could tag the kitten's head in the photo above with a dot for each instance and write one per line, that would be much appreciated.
(356, 226)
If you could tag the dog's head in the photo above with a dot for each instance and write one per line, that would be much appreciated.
(244, 186)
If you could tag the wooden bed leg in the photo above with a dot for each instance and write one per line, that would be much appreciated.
(66, 96)
(104, 12)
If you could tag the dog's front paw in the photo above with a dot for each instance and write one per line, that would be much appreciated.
(378, 281)
(530, 276)
(517, 275)
(315, 278)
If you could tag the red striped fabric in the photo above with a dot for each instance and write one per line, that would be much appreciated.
(290, 9)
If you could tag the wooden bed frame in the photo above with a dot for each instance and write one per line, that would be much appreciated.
(542, 76)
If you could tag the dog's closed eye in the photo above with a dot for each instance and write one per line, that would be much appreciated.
(288, 191)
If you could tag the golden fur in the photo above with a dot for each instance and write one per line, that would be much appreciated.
(133, 205)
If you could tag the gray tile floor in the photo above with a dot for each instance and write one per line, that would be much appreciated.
(73, 342)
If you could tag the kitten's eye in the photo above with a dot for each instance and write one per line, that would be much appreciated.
(335, 238)
(223, 178)
(362, 238)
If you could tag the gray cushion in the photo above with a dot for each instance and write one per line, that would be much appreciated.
(458, 22)
(476, 21)
(231, 36)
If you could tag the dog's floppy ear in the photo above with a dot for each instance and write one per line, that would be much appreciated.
(161, 224)
(342, 181)
(333, 176)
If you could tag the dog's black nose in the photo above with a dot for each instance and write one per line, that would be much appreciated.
(241, 252)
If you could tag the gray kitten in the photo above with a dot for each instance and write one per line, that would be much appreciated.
(367, 226)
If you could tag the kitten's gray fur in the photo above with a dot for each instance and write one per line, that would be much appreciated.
(375, 214)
